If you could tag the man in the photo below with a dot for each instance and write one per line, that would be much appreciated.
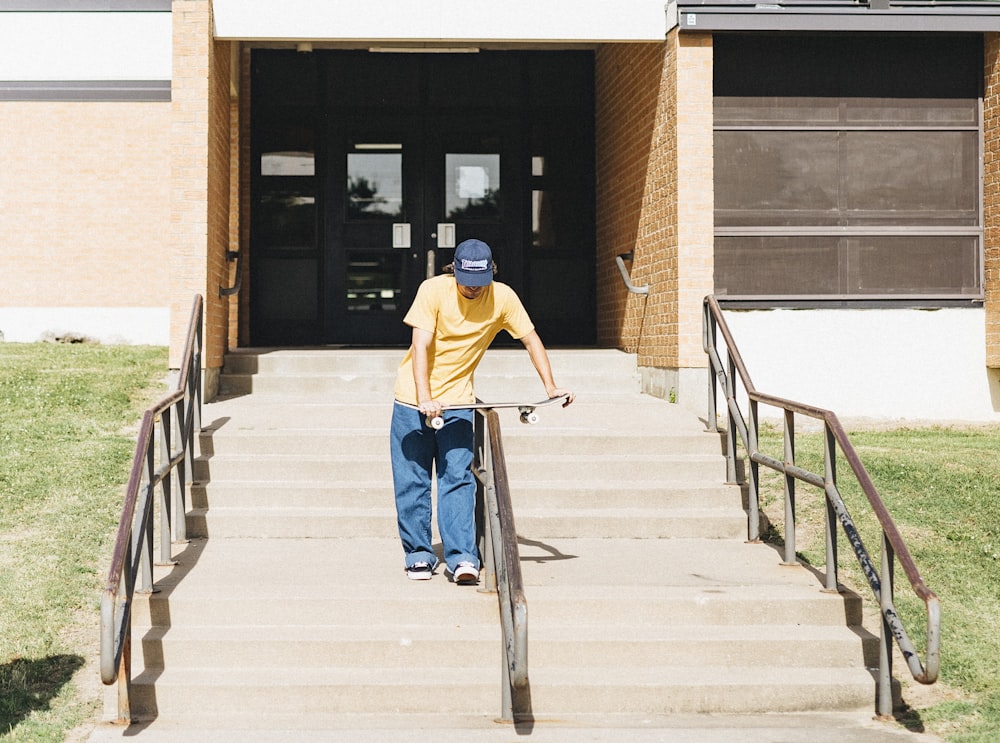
(454, 319)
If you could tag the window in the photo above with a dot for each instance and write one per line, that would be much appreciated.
(848, 168)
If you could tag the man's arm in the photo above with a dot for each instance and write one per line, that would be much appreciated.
(421, 343)
(540, 360)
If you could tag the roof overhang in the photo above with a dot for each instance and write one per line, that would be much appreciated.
(834, 15)
(436, 21)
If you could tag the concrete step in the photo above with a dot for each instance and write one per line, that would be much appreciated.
(453, 688)
(408, 646)
(517, 440)
(258, 726)
(348, 372)
(349, 386)
(460, 689)
(497, 362)
(675, 495)
(616, 689)
(525, 468)
(313, 522)
(613, 414)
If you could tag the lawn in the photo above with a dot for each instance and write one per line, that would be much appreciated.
(67, 420)
(942, 489)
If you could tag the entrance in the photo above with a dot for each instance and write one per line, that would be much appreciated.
(368, 170)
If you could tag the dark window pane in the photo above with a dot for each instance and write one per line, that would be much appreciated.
(472, 185)
(374, 280)
(374, 185)
(914, 265)
(848, 65)
(286, 218)
(290, 292)
(363, 79)
(284, 78)
(776, 178)
(560, 79)
(286, 149)
(900, 178)
(777, 266)
(483, 79)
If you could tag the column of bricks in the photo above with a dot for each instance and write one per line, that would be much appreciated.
(200, 163)
(991, 195)
(695, 199)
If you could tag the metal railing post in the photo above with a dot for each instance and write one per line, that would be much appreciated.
(709, 342)
(830, 457)
(789, 489)
(886, 602)
(166, 491)
(731, 440)
(753, 494)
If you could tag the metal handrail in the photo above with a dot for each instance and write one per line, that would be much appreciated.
(893, 547)
(620, 261)
(233, 255)
(502, 564)
(165, 445)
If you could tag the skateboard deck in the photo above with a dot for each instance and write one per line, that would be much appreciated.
(526, 409)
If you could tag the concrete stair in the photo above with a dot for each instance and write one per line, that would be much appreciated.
(289, 611)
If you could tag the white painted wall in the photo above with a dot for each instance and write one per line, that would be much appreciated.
(899, 365)
(85, 46)
(110, 325)
(442, 20)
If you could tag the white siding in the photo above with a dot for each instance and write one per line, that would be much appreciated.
(912, 365)
(442, 20)
(85, 46)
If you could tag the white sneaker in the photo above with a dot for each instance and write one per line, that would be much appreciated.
(420, 571)
(466, 574)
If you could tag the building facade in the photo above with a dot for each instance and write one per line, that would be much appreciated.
(826, 169)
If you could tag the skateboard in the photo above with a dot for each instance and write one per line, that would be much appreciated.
(526, 409)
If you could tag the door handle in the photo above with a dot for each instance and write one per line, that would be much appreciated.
(430, 264)
(401, 235)
(446, 235)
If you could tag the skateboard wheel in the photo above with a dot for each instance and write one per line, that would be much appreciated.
(529, 418)
(436, 422)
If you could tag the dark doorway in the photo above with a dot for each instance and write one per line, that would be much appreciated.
(368, 169)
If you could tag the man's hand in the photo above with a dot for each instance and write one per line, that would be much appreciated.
(431, 408)
(559, 392)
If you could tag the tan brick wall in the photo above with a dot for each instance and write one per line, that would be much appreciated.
(991, 196)
(84, 204)
(200, 193)
(655, 196)
(627, 85)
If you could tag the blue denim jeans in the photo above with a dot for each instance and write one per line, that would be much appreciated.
(416, 450)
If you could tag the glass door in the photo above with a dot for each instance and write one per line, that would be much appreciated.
(404, 196)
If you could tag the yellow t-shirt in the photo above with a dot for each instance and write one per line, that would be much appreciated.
(463, 329)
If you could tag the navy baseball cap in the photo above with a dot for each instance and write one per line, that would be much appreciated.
(473, 263)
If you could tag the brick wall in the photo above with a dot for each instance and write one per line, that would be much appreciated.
(991, 195)
(200, 193)
(655, 196)
(627, 83)
(84, 204)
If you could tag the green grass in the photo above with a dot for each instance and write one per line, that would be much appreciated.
(942, 489)
(66, 414)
